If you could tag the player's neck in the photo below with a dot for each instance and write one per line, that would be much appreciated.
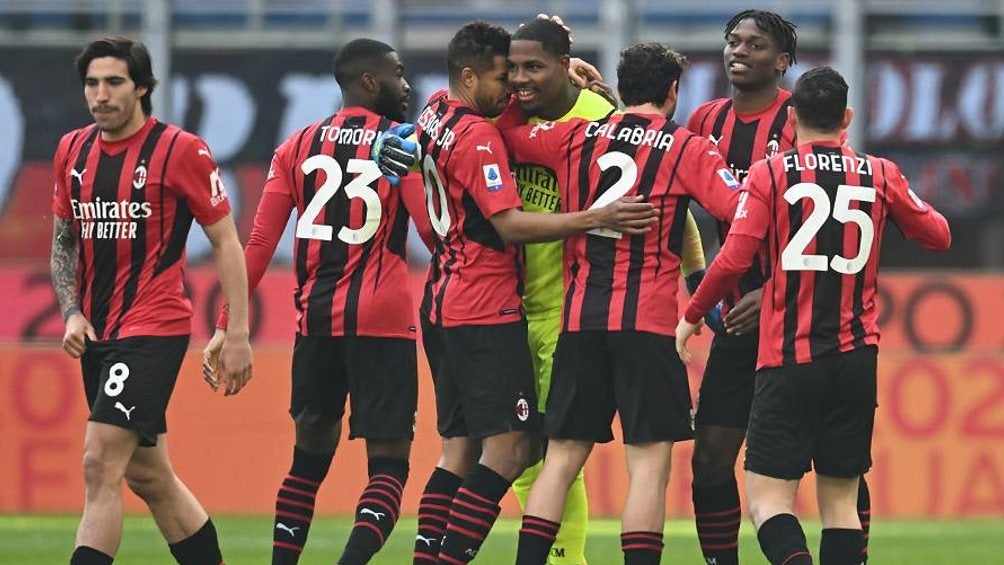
(804, 135)
(753, 101)
(648, 108)
(461, 96)
(569, 95)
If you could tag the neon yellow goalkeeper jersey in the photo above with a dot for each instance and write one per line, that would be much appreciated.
(538, 187)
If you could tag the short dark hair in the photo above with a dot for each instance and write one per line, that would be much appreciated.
(820, 99)
(781, 30)
(357, 57)
(135, 55)
(553, 37)
(476, 45)
(646, 73)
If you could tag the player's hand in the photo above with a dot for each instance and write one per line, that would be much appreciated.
(713, 319)
(234, 364)
(604, 90)
(684, 331)
(745, 317)
(582, 73)
(556, 19)
(78, 330)
(394, 154)
(211, 359)
(629, 214)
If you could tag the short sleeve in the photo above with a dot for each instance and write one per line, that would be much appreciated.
(194, 177)
(481, 166)
(60, 191)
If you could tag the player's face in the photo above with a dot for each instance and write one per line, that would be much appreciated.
(112, 97)
(537, 77)
(394, 97)
(491, 94)
(752, 58)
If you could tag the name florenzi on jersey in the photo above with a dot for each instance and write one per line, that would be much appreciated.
(635, 135)
(835, 163)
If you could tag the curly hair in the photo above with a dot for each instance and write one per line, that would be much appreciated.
(476, 45)
(646, 72)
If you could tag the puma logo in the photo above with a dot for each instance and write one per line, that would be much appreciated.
(487, 148)
(377, 515)
(428, 541)
(128, 413)
(79, 176)
(205, 152)
(285, 528)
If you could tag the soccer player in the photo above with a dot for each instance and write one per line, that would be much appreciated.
(615, 349)
(821, 210)
(539, 59)
(355, 324)
(126, 191)
(749, 126)
(474, 330)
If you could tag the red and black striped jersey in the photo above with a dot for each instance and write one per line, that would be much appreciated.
(132, 202)
(615, 282)
(475, 277)
(744, 139)
(351, 229)
(821, 208)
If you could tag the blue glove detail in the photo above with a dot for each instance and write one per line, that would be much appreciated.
(712, 319)
(393, 153)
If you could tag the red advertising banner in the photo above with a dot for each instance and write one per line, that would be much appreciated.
(938, 447)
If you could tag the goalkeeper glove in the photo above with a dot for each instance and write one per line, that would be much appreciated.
(393, 153)
(713, 319)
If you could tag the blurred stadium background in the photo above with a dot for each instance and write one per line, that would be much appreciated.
(927, 80)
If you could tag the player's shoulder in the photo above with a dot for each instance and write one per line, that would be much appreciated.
(73, 137)
(188, 143)
(700, 114)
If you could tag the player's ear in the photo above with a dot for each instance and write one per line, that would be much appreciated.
(565, 61)
(468, 77)
(782, 63)
(369, 82)
(792, 117)
(848, 116)
(671, 94)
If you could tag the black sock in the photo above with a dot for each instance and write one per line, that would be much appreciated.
(642, 548)
(294, 504)
(378, 509)
(200, 548)
(864, 514)
(84, 555)
(718, 516)
(472, 515)
(535, 540)
(840, 546)
(783, 541)
(433, 514)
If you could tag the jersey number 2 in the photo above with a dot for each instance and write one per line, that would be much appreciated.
(629, 174)
(367, 172)
(794, 258)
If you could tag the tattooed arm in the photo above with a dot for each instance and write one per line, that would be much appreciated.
(63, 267)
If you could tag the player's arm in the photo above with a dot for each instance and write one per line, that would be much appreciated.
(413, 197)
(235, 354)
(692, 267)
(630, 215)
(916, 219)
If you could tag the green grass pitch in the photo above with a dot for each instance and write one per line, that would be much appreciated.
(43, 540)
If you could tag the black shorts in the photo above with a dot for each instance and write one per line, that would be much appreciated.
(817, 414)
(727, 387)
(637, 374)
(128, 382)
(378, 374)
(484, 379)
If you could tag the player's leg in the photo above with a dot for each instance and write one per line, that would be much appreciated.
(653, 399)
(497, 393)
(107, 449)
(316, 406)
(182, 521)
(842, 542)
(843, 453)
(458, 453)
(864, 514)
(569, 546)
(545, 507)
(720, 428)
(783, 427)
(383, 389)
